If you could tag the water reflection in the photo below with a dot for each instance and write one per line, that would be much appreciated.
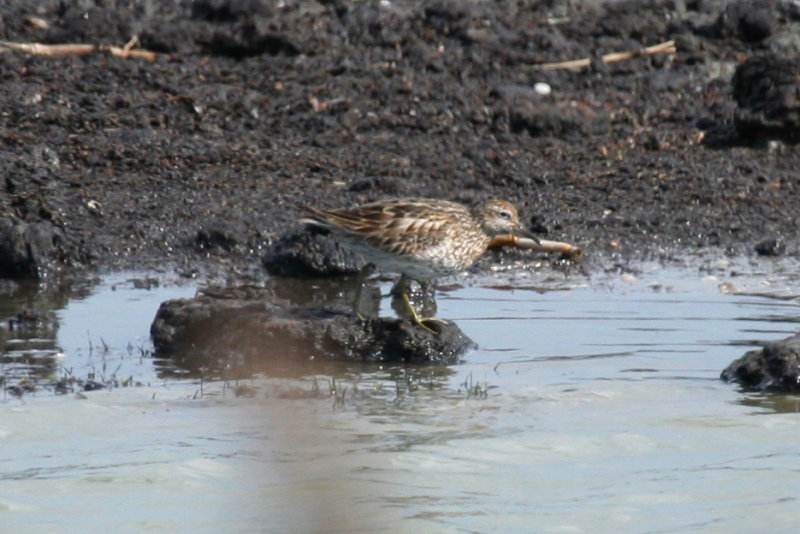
(772, 402)
(75, 336)
(564, 327)
(584, 410)
(29, 351)
(349, 291)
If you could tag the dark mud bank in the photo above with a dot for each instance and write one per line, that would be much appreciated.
(194, 160)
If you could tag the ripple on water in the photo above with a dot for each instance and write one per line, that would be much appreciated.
(594, 408)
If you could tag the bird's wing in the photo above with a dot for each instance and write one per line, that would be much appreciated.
(396, 227)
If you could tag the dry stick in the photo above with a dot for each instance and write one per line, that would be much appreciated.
(131, 43)
(667, 47)
(53, 50)
(544, 245)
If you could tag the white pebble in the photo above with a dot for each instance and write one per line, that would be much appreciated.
(542, 88)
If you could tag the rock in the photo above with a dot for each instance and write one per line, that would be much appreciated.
(28, 250)
(249, 328)
(776, 367)
(766, 88)
(309, 253)
(748, 20)
(770, 247)
(215, 237)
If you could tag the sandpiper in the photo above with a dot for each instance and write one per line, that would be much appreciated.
(419, 238)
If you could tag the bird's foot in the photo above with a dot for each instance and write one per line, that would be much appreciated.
(418, 320)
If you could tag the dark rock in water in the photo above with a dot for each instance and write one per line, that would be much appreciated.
(770, 247)
(309, 253)
(765, 88)
(776, 367)
(93, 385)
(260, 331)
(28, 250)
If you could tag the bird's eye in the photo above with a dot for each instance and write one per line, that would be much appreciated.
(505, 215)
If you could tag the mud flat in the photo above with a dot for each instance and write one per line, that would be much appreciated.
(195, 158)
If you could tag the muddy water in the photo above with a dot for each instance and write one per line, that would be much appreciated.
(593, 405)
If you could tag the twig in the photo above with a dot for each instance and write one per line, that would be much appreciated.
(131, 43)
(667, 47)
(547, 246)
(53, 50)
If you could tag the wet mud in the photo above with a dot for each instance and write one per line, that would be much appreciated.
(195, 160)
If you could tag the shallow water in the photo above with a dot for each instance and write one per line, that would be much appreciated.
(592, 405)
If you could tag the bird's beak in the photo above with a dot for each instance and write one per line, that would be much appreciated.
(524, 232)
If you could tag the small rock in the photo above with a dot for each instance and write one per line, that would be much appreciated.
(215, 237)
(770, 247)
(147, 282)
(93, 385)
(776, 367)
(28, 250)
(765, 88)
(309, 253)
(748, 20)
(727, 288)
(542, 88)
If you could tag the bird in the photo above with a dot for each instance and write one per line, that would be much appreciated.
(419, 238)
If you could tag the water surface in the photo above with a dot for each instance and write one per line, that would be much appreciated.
(590, 406)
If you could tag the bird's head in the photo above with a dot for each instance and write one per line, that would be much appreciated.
(498, 217)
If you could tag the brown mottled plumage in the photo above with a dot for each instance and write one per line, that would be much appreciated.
(421, 238)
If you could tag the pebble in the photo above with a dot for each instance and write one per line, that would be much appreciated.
(542, 88)
(726, 288)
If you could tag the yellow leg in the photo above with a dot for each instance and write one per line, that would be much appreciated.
(415, 316)
(363, 274)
